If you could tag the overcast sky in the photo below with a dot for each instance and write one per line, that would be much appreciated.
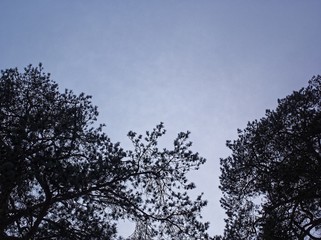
(204, 66)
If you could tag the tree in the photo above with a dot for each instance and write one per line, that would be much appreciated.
(272, 181)
(62, 178)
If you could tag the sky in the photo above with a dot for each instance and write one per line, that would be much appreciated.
(204, 66)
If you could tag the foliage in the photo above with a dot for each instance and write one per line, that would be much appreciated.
(62, 178)
(271, 182)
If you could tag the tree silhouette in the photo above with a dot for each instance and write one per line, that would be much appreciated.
(271, 182)
(62, 178)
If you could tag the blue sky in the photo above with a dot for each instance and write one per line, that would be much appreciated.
(204, 66)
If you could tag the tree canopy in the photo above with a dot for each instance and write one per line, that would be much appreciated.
(271, 183)
(61, 177)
